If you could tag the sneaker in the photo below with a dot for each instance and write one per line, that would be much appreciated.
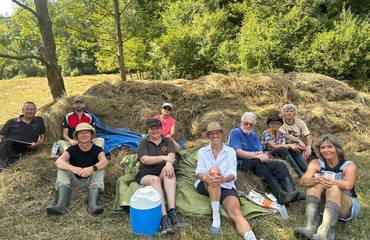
(165, 225)
(175, 221)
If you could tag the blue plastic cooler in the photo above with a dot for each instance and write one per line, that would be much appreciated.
(145, 211)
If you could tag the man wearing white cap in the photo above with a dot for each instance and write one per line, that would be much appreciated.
(71, 120)
(81, 165)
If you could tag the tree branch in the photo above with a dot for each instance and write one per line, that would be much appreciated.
(125, 7)
(24, 57)
(25, 7)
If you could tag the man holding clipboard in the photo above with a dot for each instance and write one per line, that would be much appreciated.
(21, 135)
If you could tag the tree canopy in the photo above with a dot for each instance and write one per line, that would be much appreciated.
(188, 38)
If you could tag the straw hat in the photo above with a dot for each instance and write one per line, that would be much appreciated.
(214, 126)
(84, 126)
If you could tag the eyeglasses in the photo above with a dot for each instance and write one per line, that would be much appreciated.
(247, 124)
(167, 109)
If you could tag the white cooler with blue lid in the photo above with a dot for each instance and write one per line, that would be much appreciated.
(145, 211)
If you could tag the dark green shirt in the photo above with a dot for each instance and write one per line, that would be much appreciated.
(149, 148)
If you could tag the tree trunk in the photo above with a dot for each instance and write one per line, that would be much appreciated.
(121, 59)
(53, 71)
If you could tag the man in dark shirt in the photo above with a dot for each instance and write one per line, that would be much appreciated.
(21, 135)
(156, 155)
(81, 165)
(71, 120)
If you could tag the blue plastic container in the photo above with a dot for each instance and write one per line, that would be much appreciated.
(145, 211)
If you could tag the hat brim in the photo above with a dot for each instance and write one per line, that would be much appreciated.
(92, 131)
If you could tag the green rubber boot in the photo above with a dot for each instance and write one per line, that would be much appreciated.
(60, 208)
(329, 219)
(92, 200)
(312, 216)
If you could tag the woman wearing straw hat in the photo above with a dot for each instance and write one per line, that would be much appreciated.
(80, 165)
(330, 182)
(216, 173)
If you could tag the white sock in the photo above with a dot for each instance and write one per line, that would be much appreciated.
(216, 214)
(249, 235)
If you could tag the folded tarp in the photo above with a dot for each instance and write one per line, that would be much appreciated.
(188, 200)
(116, 137)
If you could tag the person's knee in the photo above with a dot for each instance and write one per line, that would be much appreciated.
(155, 180)
(333, 192)
(315, 190)
(235, 213)
(214, 170)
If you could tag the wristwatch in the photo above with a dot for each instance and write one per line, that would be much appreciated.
(95, 168)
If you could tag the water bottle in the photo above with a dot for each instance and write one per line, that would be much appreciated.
(54, 150)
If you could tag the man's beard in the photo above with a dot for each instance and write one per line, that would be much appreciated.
(246, 131)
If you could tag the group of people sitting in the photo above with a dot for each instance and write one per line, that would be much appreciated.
(82, 163)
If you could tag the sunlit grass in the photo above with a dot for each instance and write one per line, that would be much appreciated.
(15, 91)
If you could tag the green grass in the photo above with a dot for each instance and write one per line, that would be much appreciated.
(14, 92)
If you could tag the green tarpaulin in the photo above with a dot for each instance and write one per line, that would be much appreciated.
(188, 201)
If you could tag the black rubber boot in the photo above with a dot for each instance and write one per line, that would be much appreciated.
(60, 208)
(312, 216)
(282, 196)
(288, 186)
(92, 200)
(294, 165)
(329, 219)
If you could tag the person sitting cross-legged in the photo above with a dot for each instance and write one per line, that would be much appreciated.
(216, 173)
(330, 182)
(81, 165)
(156, 155)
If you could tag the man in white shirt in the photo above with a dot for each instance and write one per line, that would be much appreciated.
(216, 173)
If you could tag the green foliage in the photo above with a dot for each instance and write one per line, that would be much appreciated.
(189, 46)
(185, 39)
(342, 51)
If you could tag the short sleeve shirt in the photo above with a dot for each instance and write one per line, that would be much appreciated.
(79, 158)
(166, 124)
(149, 148)
(71, 120)
(246, 142)
(19, 130)
(268, 138)
(297, 129)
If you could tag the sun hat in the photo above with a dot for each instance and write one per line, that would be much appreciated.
(84, 126)
(214, 126)
(274, 118)
(167, 105)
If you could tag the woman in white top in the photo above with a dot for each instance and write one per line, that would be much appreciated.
(216, 173)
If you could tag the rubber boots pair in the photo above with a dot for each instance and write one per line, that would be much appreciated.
(64, 193)
(329, 219)
(92, 200)
(280, 193)
(312, 216)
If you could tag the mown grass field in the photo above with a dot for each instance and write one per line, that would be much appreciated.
(14, 92)
(27, 188)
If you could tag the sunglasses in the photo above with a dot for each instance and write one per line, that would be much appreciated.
(167, 109)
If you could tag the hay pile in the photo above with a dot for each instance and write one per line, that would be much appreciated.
(326, 104)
